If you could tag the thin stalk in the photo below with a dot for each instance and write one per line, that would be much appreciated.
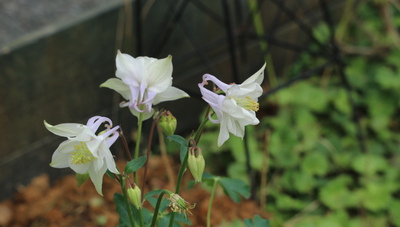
(138, 139)
(155, 120)
(184, 163)
(155, 214)
(216, 179)
(141, 217)
(128, 205)
(259, 28)
(139, 136)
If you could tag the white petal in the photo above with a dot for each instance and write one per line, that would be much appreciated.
(171, 93)
(80, 168)
(257, 77)
(94, 145)
(97, 178)
(159, 75)
(129, 69)
(118, 86)
(65, 130)
(223, 134)
(109, 160)
(61, 156)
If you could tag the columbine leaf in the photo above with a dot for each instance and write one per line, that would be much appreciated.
(184, 145)
(80, 178)
(119, 201)
(258, 221)
(110, 174)
(235, 188)
(135, 164)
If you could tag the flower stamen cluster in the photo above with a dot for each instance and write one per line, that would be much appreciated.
(82, 154)
(179, 205)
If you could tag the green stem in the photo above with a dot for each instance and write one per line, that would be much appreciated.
(139, 135)
(259, 28)
(216, 179)
(128, 205)
(184, 163)
(138, 139)
(155, 214)
(141, 217)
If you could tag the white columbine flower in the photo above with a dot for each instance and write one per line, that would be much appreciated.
(84, 151)
(145, 82)
(237, 107)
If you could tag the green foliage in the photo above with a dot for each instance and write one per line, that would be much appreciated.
(183, 145)
(319, 174)
(81, 178)
(234, 188)
(135, 164)
(257, 221)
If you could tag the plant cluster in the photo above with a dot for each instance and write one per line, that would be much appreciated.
(144, 82)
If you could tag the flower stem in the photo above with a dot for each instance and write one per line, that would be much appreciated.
(216, 179)
(155, 214)
(141, 217)
(128, 205)
(138, 139)
(184, 163)
(139, 135)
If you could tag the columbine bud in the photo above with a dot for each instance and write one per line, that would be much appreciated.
(178, 204)
(135, 196)
(196, 163)
(168, 123)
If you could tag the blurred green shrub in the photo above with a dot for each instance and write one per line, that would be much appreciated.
(318, 174)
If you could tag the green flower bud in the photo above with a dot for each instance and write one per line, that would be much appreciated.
(168, 123)
(196, 163)
(135, 196)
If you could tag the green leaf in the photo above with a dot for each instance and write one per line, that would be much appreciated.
(80, 178)
(184, 145)
(315, 163)
(110, 174)
(179, 218)
(336, 195)
(375, 196)
(369, 164)
(119, 201)
(256, 222)
(135, 164)
(235, 188)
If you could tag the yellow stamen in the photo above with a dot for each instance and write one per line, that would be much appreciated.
(82, 154)
(247, 103)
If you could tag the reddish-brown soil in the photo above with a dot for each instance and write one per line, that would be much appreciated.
(65, 204)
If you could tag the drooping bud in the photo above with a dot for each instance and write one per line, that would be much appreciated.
(135, 196)
(168, 123)
(196, 163)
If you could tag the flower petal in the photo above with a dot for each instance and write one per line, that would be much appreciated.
(223, 134)
(118, 86)
(65, 130)
(171, 93)
(97, 178)
(61, 156)
(129, 69)
(223, 86)
(257, 77)
(159, 75)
